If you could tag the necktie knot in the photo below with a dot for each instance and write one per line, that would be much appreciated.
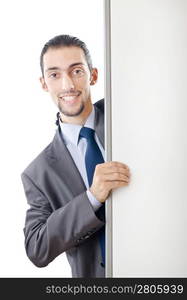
(87, 133)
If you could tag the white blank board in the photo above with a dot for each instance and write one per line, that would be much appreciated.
(149, 134)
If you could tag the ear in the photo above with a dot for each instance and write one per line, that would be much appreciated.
(43, 84)
(94, 76)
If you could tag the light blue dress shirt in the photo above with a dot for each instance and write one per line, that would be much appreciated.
(77, 149)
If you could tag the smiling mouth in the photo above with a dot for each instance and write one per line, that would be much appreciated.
(70, 98)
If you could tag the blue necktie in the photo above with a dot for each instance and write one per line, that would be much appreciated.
(93, 157)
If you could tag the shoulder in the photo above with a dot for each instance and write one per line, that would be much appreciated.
(34, 167)
(42, 162)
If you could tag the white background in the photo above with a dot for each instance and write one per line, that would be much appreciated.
(149, 118)
(27, 113)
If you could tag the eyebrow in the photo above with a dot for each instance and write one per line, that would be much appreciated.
(70, 66)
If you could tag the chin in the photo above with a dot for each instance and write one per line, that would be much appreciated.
(71, 113)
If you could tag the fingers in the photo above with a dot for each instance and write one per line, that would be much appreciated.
(116, 184)
(107, 177)
(113, 167)
(115, 164)
(116, 170)
(116, 177)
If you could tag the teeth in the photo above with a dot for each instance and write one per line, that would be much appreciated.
(69, 98)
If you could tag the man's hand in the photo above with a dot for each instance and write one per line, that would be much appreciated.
(107, 177)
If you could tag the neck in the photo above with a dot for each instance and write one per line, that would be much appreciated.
(80, 119)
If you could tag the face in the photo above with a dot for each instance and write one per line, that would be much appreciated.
(67, 78)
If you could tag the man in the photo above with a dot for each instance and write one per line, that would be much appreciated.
(68, 183)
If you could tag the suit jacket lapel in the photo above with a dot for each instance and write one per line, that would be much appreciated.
(64, 165)
(99, 126)
(62, 161)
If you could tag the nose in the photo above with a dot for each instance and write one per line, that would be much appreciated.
(67, 82)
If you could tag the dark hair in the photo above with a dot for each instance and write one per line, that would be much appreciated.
(65, 41)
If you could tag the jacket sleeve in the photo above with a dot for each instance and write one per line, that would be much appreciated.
(48, 233)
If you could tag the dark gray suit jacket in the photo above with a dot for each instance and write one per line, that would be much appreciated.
(60, 217)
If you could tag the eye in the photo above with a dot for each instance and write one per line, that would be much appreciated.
(77, 72)
(53, 75)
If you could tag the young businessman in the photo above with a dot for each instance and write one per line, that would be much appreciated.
(67, 184)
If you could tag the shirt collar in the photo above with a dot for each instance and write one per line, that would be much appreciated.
(70, 132)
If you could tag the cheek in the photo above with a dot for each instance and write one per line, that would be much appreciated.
(83, 83)
(53, 88)
(84, 86)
